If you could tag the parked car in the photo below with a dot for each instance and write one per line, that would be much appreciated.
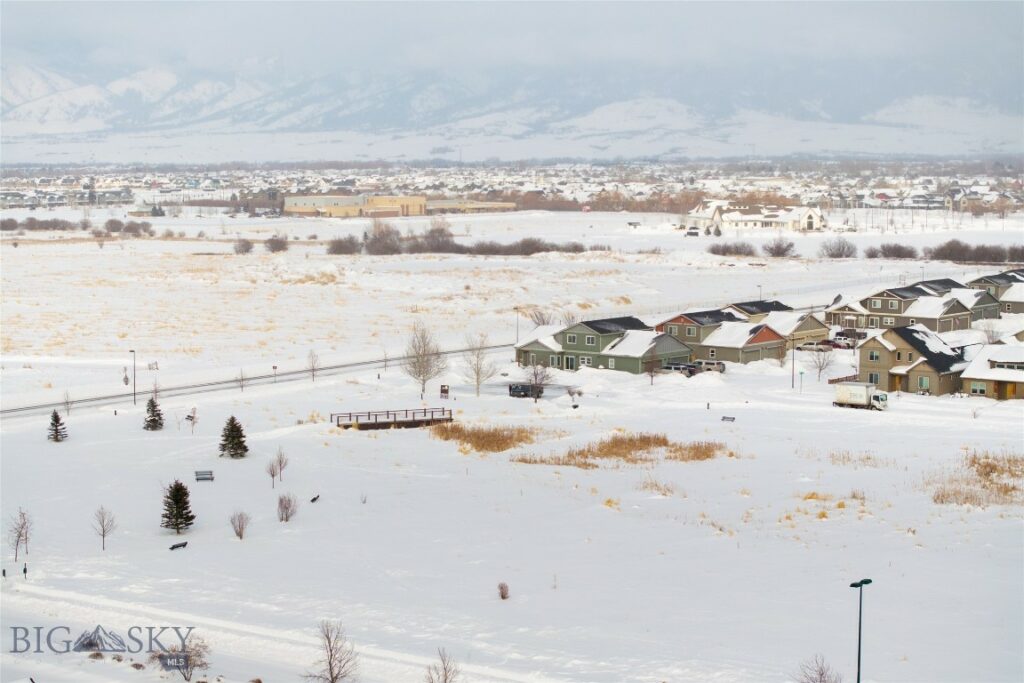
(525, 390)
(842, 342)
(688, 369)
(815, 346)
(710, 365)
(693, 232)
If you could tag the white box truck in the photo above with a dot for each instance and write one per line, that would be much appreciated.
(860, 395)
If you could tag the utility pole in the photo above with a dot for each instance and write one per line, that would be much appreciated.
(132, 351)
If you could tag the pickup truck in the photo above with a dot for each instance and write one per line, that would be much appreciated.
(710, 365)
(525, 390)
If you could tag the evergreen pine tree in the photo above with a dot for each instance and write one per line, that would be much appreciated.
(57, 432)
(177, 510)
(232, 439)
(154, 417)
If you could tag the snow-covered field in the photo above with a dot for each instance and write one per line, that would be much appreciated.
(738, 571)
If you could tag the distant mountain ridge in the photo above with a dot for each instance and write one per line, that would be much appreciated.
(420, 116)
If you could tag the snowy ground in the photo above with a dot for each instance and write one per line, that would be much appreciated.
(735, 576)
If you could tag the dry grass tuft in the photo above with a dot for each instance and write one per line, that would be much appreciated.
(981, 479)
(654, 486)
(484, 439)
(695, 450)
(857, 460)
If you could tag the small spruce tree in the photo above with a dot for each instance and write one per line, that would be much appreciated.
(232, 439)
(154, 416)
(718, 231)
(177, 509)
(57, 432)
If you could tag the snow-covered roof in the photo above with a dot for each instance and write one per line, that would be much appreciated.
(544, 335)
(983, 364)
(1015, 294)
(842, 301)
(784, 322)
(928, 307)
(633, 344)
(732, 335)
(967, 337)
(939, 354)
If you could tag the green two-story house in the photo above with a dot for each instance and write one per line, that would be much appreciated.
(627, 344)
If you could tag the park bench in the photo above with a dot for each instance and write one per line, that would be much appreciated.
(726, 418)
(178, 546)
(204, 475)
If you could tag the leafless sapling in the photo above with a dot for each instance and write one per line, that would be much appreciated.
(239, 523)
(282, 462)
(478, 368)
(274, 470)
(538, 376)
(822, 360)
(423, 361)
(287, 506)
(67, 403)
(312, 364)
(817, 670)
(444, 671)
(539, 316)
(104, 524)
(18, 532)
(338, 659)
(197, 651)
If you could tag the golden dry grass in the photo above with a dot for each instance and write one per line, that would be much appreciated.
(982, 478)
(857, 460)
(654, 486)
(484, 439)
(630, 448)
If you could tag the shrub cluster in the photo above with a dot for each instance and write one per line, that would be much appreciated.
(837, 247)
(733, 249)
(11, 224)
(276, 244)
(243, 246)
(779, 247)
(955, 250)
(891, 250)
(344, 245)
(385, 240)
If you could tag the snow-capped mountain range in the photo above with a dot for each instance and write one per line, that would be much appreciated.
(157, 115)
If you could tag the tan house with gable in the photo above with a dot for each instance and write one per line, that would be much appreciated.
(911, 359)
(996, 371)
(796, 327)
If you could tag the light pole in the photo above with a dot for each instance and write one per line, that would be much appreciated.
(759, 297)
(132, 351)
(275, 373)
(516, 309)
(859, 585)
(801, 381)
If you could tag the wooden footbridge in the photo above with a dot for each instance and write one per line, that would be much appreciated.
(392, 419)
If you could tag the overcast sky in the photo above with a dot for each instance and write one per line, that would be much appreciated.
(971, 49)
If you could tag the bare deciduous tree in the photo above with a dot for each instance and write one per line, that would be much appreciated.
(104, 523)
(538, 316)
(312, 364)
(816, 670)
(67, 402)
(240, 380)
(538, 376)
(239, 523)
(18, 532)
(423, 360)
(273, 470)
(339, 660)
(282, 462)
(445, 671)
(822, 360)
(478, 368)
(570, 317)
(990, 329)
(197, 651)
(651, 367)
(287, 506)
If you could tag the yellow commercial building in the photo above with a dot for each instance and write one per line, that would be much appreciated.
(363, 206)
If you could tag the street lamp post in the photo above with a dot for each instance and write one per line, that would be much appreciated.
(859, 585)
(801, 381)
(275, 373)
(132, 351)
(759, 297)
(516, 309)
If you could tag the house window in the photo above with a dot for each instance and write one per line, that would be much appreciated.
(913, 321)
(673, 330)
(590, 340)
(691, 331)
(873, 355)
(893, 304)
(711, 354)
(910, 356)
(570, 339)
(533, 359)
(888, 322)
(553, 361)
(1009, 308)
(611, 363)
(978, 388)
(922, 383)
(875, 303)
(873, 377)
(899, 355)
(586, 360)
(872, 322)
